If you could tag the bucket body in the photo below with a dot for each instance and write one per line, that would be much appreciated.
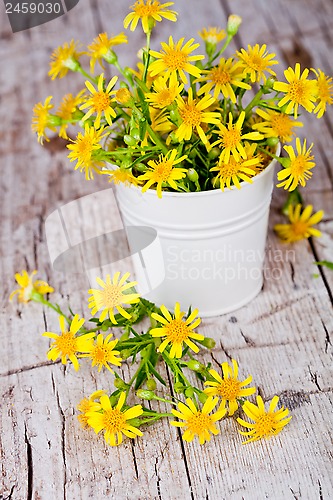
(212, 242)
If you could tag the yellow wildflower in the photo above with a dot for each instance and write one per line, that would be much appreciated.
(175, 59)
(266, 423)
(163, 172)
(112, 296)
(88, 404)
(100, 101)
(102, 352)
(222, 77)
(28, 287)
(67, 344)
(149, 11)
(299, 90)
(123, 96)
(122, 176)
(193, 116)
(231, 138)
(63, 59)
(198, 422)
(114, 421)
(276, 124)
(177, 330)
(324, 92)
(67, 108)
(229, 388)
(101, 47)
(83, 149)
(231, 173)
(42, 119)
(212, 35)
(256, 61)
(164, 94)
(301, 223)
(298, 169)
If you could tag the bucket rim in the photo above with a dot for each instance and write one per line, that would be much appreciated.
(211, 192)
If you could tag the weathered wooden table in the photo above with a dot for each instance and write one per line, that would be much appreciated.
(284, 337)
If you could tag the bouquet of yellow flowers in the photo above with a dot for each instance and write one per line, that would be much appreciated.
(183, 121)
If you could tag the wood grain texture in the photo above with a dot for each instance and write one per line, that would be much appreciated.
(284, 337)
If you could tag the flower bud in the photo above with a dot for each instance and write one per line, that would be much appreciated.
(234, 23)
(105, 326)
(145, 394)
(208, 342)
(268, 85)
(123, 96)
(192, 175)
(135, 133)
(202, 397)
(196, 366)
(272, 141)
(174, 115)
(110, 57)
(214, 153)
(119, 383)
(189, 392)
(151, 384)
(179, 387)
(129, 140)
(126, 353)
(54, 121)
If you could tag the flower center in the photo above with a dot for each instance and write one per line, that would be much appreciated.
(219, 75)
(165, 97)
(147, 10)
(175, 59)
(100, 354)
(299, 166)
(84, 148)
(114, 420)
(229, 388)
(265, 424)
(297, 91)
(100, 101)
(163, 171)
(299, 228)
(256, 62)
(67, 343)
(231, 138)
(177, 331)
(191, 115)
(199, 423)
(111, 296)
(281, 124)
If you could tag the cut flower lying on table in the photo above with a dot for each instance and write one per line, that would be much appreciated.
(200, 397)
(187, 118)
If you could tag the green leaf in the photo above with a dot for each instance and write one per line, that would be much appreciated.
(325, 263)
(155, 373)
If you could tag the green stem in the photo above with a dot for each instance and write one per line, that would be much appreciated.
(55, 307)
(84, 73)
(225, 45)
(145, 72)
(253, 103)
(156, 139)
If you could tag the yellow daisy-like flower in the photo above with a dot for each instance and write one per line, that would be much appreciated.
(122, 176)
(42, 119)
(231, 173)
(114, 421)
(28, 287)
(67, 344)
(88, 404)
(298, 169)
(252, 154)
(112, 296)
(266, 423)
(123, 96)
(100, 101)
(177, 330)
(324, 92)
(100, 48)
(164, 94)
(212, 35)
(102, 352)
(193, 116)
(64, 58)
(83, 148)
(222, 77)
(163, 172)
(231, 138)
(198, 422)
(175, 59)
(66, 110)
(276, 124)
(149, 12)
(229, 388)
(301, 224)
(256, 61)
(299, 90)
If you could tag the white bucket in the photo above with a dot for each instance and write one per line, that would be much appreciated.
(213, 242)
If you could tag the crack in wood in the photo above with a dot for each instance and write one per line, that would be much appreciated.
(134, 460)
(321, 497)
(327, 337)
(158, 479)
(29, 465)
(314, 379)
(248, 341)
(63, 438)
(28, 368)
